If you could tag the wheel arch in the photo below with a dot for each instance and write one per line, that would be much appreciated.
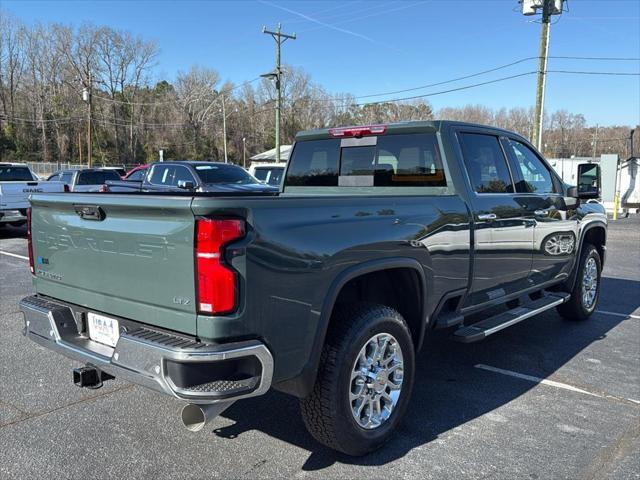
(302, 385)
(594, 233)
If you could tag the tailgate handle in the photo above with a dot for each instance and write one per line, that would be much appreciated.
(90, 212)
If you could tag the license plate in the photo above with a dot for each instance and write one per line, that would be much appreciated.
(103, 329)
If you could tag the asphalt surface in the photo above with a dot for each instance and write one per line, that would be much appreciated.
(547, 398)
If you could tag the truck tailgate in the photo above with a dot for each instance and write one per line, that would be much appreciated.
(14, 195)
(135, 260)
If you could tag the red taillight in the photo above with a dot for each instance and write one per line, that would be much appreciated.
(29, 243)
(104, 188)
(66, 188)
(216, 282)
(358, 131)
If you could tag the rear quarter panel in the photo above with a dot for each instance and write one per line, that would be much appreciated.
(296, 247)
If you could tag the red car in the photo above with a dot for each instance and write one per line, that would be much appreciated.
(136, 174)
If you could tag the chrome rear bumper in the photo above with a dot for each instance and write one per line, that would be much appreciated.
(142, 355)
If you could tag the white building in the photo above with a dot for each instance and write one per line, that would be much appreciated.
(625, 181)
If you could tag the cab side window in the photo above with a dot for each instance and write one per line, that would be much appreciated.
(137, 176)
(66, 177)
(183, 174)
(162, 174)
(535, 175)
(486, 164)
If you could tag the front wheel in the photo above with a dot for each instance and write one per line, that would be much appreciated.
(364, 381)
(586, 289)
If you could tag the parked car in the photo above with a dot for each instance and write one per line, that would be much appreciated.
(84, 179)
(17, 182)
(195, 177)
(269, 173)
(136, 174)
(326, 290)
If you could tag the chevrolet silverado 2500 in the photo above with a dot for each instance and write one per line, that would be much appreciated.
(379, 234)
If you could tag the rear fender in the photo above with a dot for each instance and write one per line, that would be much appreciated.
(302, 385)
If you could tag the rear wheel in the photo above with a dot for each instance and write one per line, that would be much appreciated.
(586, 289)
(364, 381)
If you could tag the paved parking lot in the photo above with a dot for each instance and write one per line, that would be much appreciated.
(546, 398)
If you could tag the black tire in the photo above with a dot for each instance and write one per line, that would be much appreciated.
(575, 308)
(327, 411)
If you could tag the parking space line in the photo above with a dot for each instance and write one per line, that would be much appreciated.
(9, 254)
(552, 383)
(624, 315)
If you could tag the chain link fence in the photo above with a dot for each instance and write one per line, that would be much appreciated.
(44, 169)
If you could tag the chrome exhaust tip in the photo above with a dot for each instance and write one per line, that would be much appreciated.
(196, 416)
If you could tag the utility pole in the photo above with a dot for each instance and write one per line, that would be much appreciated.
(86, 96)
(224, 129)
(542, 73)
(548, 8)
(244, 152)
(280, 38)
(80, 146)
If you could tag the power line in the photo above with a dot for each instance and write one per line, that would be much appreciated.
(595, 73)
(477, 74)
(109, 121)
(47, 120)
(124, 102)
(620, 59)
(466, 87)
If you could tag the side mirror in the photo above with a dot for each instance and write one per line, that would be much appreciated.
(588, 182)
(186, 185)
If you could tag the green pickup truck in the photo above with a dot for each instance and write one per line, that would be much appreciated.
(324, 290)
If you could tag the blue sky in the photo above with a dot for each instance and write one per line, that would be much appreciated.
(365, 47)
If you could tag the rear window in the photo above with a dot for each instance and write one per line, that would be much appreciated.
(97, 178)
(408, 160)
(269, 175)
(15, 174)
(228, 174)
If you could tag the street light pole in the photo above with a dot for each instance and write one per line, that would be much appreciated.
(280, 38)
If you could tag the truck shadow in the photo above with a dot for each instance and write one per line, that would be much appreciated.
(13, 232)
(448, 390)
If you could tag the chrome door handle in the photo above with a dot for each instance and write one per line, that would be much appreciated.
(487, 216)
(541, 213)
